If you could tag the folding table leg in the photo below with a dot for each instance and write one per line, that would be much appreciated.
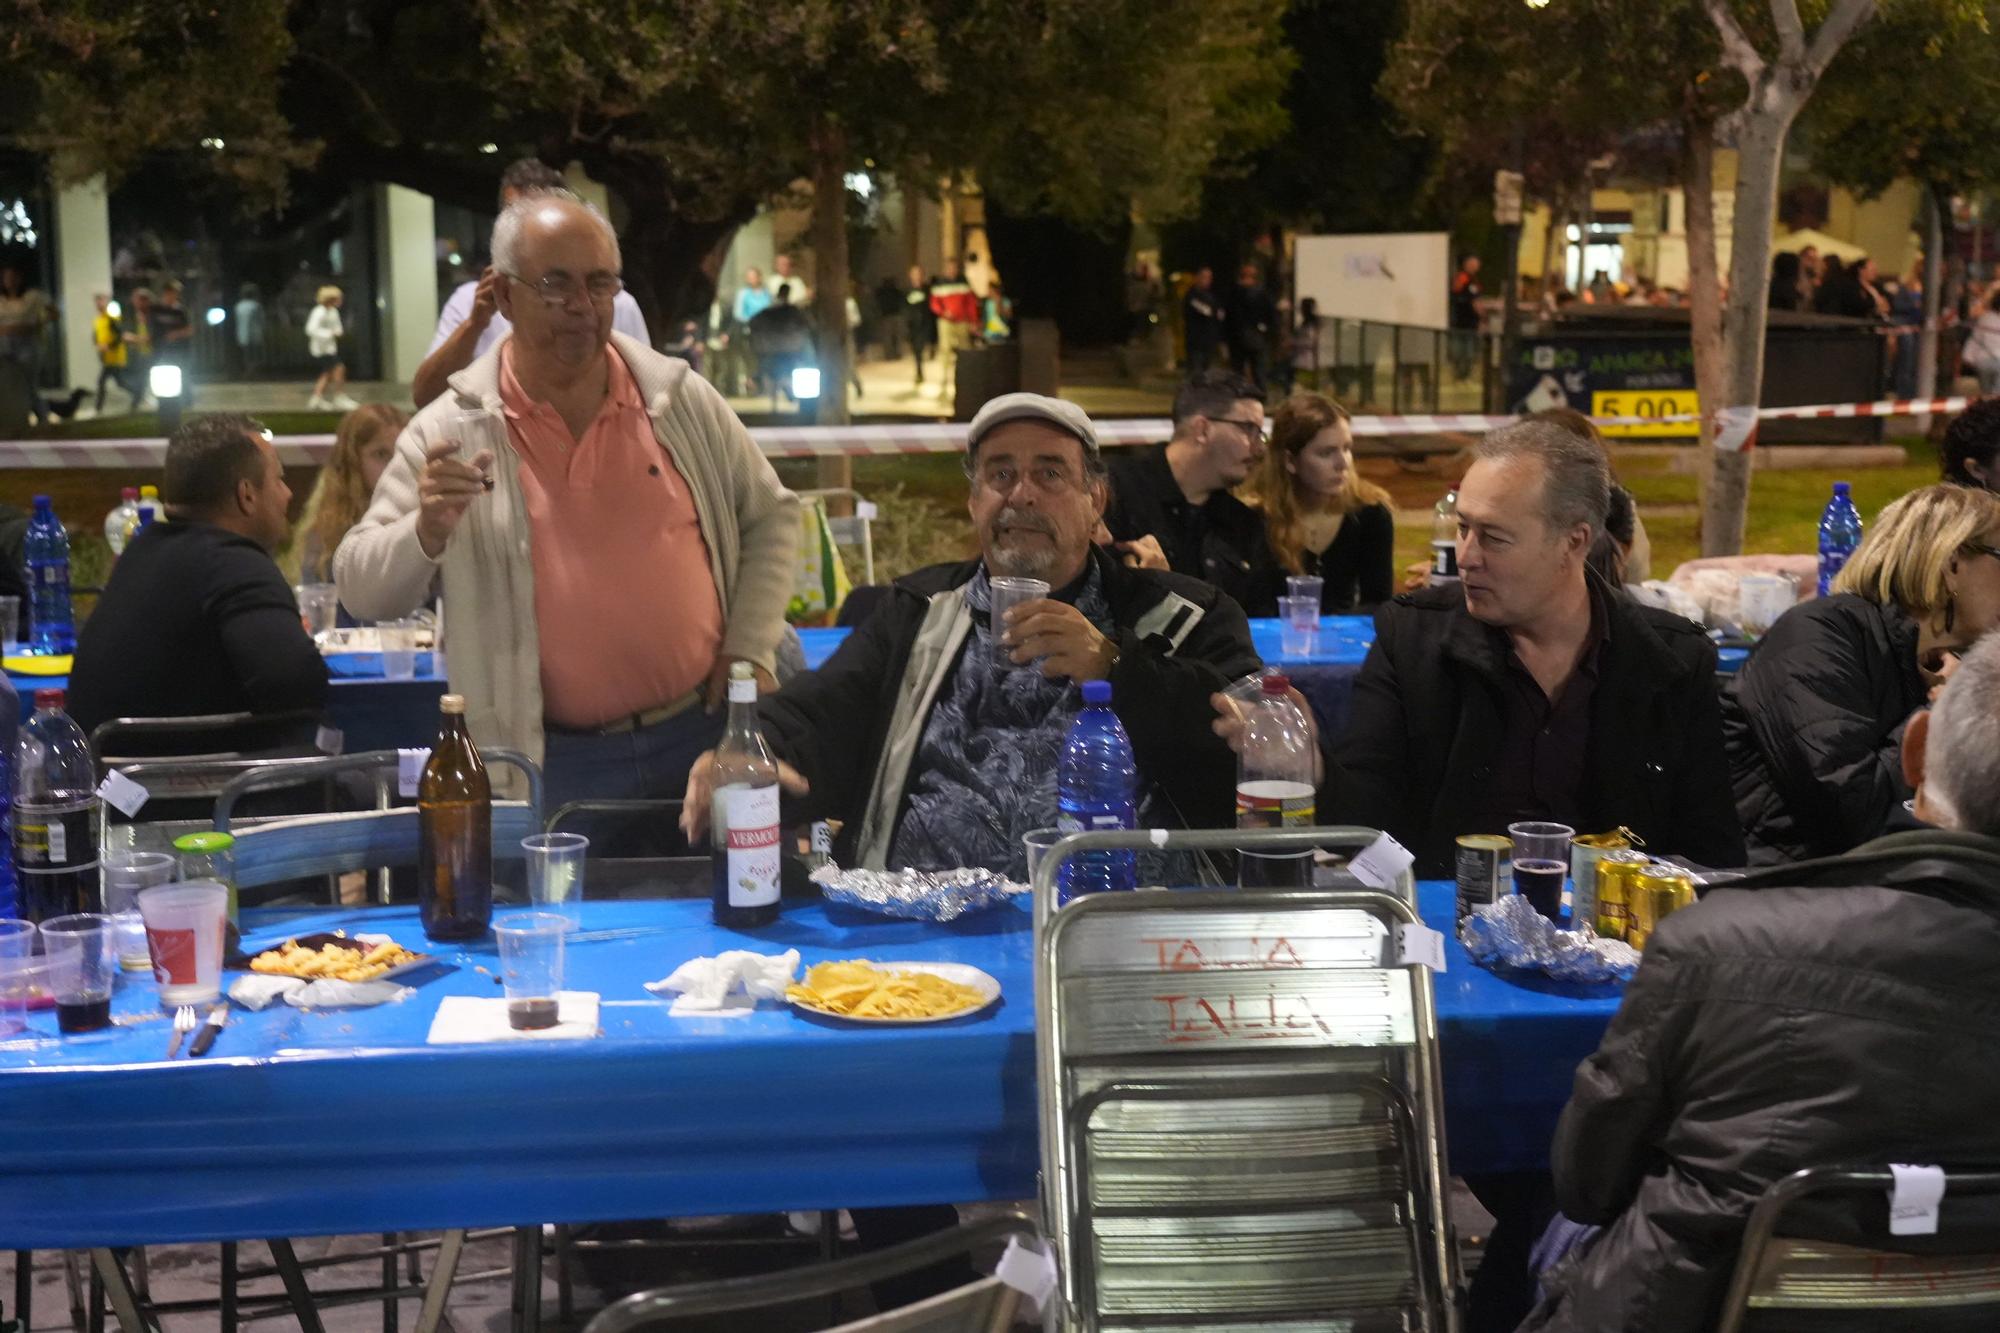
(79, 1309)
(228, 1286)
(527, 1280)
(142, 1276)
(390, 1305)
(117, 1290)
(565, 1289)
(295, 1285)
(450, 1246)
(24, 1287)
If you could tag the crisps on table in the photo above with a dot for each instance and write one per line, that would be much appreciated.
(357, 962)
(858, 989)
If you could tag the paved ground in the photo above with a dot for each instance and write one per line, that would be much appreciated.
(481, 1304)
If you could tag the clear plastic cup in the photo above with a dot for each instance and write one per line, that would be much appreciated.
(81, 970)
(399, 649)
(1006, 592)
(125, 873)
(17, 937)
(555, 873)
(319, 608)
(1309, 586)
(531, 966)
(1298, 626)
(22, 978)
(1541, 860)
(1038, 841)
(185, 924)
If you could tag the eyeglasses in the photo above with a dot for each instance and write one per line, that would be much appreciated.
(1048, 478)
(560, 289)
(1981, 548)
(1254, 430)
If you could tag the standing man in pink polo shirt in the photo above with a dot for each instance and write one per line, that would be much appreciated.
(609, 538)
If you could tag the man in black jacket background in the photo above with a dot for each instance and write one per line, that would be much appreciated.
(196, 617)
(1828, 1013)
(1533, 691)
(932, 754)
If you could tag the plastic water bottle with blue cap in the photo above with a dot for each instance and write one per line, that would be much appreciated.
(1097, 788)
(1839, 534)
(54, 631)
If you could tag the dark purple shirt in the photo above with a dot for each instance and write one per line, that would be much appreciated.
(1539, 770)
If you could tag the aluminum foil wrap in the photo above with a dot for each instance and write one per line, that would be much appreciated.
(916, 895)
(1510, 933)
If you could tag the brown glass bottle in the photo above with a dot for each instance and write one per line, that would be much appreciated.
(455, 833)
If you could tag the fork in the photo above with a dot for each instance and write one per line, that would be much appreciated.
(183, 1024)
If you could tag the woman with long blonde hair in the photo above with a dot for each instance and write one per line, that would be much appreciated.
(1320, 514)
(1813, 723)
(362, 447)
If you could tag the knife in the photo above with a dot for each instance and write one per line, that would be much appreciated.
(218, 1018)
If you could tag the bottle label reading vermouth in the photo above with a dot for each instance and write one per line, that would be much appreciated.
(750, 818)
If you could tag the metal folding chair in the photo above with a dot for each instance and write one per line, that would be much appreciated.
(644, 868)
(986, 1306)
(1803, 1277)
(303, 846)
(192, 759)
(1242, 1115)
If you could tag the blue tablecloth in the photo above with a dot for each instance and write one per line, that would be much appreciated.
(347, 1122)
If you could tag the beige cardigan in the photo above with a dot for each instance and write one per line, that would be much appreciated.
(493, 653)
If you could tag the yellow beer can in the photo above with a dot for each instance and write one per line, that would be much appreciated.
(1615, 871)
(1658, 891)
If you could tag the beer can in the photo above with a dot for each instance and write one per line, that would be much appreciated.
(1485, 871)
(1658, 891)
(1585, 851)
(1613, 890)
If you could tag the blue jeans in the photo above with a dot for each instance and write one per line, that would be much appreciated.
(651, 763)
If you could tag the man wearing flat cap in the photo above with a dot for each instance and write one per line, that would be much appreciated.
(936, 754)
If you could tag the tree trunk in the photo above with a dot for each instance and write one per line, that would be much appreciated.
(1760, 147)
(1927, 339)
(829, 232)
(1704, 289)
(1557, 220)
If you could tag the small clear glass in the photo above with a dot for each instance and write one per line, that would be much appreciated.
(1005, 593)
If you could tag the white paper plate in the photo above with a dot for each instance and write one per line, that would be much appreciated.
(962, 973)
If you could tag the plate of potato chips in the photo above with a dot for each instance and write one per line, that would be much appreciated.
(333, 955)
(858, 991)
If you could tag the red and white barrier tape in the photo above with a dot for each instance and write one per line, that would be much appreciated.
(930, 437)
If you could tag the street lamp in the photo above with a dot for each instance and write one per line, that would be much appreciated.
(164, 379)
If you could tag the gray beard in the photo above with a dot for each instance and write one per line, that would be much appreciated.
(1020, 564)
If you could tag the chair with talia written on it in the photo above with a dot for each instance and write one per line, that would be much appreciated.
(1241, 1110)
(1930, 1279)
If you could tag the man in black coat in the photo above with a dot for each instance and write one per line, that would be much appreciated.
(1534, 691)
(1833, 1012)
(1251, 322)
(930, 752)
(1171, 506)
(1201, 321)
(197, 618)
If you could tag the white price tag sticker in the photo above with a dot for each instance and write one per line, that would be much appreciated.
(410, 770)
(865, 509)
(122, 793)
(330, 741)
(1029, 1270)
(1914, 1199)
(1381, 863)
(1417, 943)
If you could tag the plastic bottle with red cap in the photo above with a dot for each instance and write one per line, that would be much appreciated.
(1274, 785)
